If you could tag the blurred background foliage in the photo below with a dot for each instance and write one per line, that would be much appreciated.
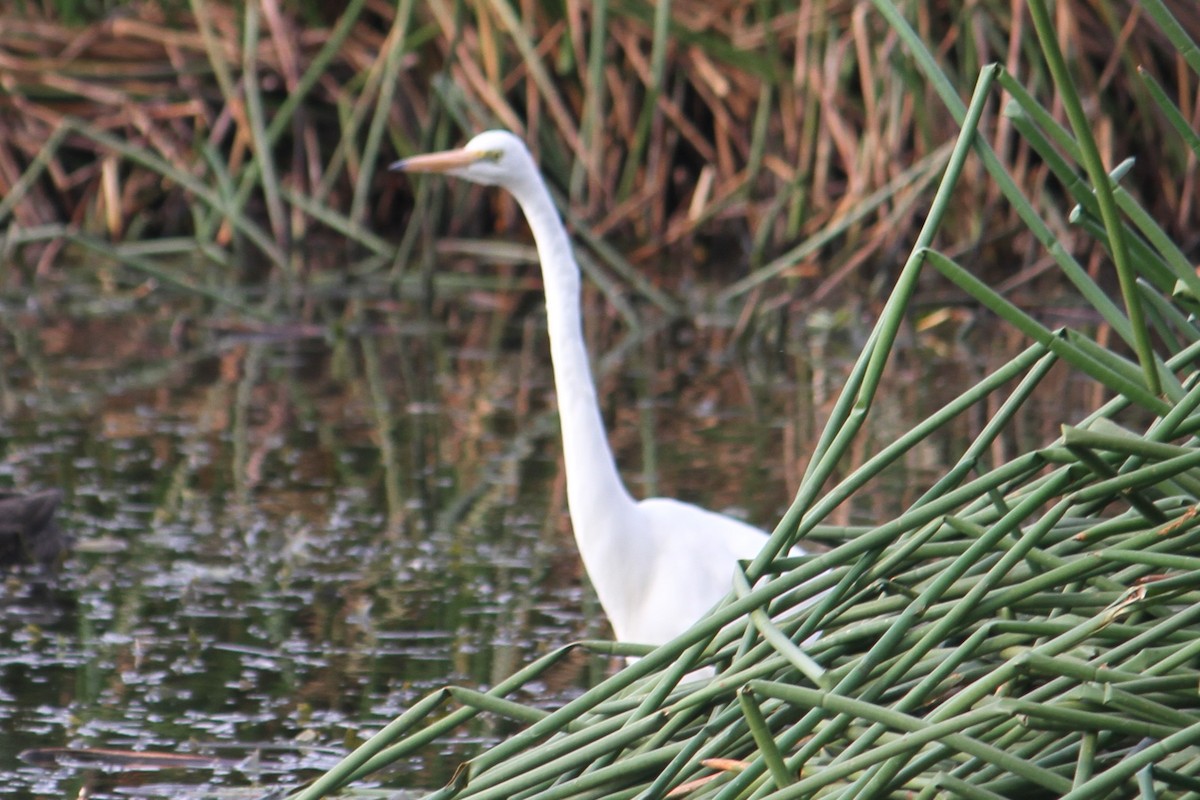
(750, 141)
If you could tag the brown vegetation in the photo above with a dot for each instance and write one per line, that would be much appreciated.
(732, 130)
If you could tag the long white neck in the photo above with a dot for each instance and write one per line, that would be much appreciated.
(594, 488)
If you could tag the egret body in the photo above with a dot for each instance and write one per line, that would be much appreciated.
(657, 564)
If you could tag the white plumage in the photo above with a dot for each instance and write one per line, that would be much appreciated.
(658, 565)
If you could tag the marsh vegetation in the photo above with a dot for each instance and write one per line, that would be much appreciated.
(299, 411)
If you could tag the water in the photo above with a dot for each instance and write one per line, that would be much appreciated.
(287, 535)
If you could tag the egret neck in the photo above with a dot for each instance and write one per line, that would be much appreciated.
(595, 492)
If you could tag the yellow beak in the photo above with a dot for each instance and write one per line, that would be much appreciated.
(437, 162)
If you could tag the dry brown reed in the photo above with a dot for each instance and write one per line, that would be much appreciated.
(726, 132)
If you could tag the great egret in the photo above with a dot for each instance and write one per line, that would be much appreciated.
(658, 565)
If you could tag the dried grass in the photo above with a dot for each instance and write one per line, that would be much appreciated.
(728, 130)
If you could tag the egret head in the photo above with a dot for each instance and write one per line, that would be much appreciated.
(492, 158)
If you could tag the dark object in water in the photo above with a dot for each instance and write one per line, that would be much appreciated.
(28, 531)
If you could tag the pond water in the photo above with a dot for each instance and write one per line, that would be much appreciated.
(285, 535)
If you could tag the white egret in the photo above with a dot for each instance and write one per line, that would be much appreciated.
(657, 565)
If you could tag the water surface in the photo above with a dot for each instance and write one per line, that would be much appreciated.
(288, 533)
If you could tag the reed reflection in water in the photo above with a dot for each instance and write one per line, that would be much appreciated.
(287, 534)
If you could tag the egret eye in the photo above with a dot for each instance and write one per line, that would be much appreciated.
(491, 155)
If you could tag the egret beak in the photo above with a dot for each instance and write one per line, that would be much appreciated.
(438, 162)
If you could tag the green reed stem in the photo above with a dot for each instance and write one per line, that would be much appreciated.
(1100, 185)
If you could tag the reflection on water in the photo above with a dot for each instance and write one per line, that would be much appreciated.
(286, 536)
